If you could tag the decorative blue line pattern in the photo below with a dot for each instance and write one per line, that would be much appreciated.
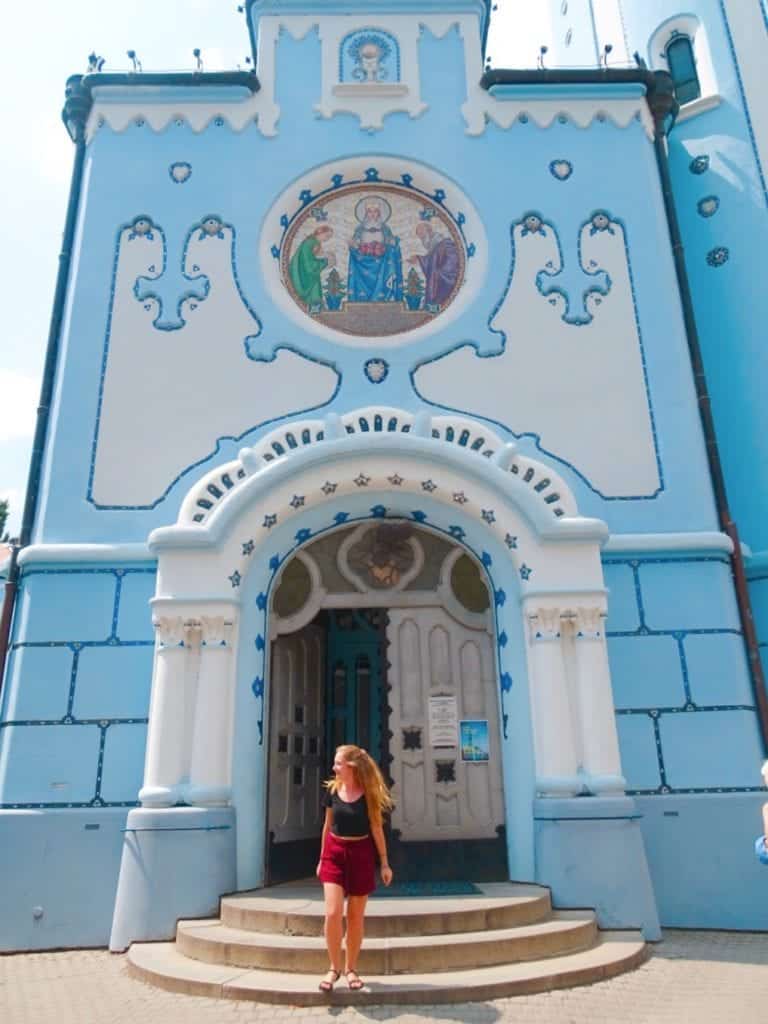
(533, 222)
(250, 352)
(689, 706)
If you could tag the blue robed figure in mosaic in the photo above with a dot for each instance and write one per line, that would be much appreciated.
(375, 261)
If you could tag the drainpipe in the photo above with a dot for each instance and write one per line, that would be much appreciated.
(77, 106)
(663, 105)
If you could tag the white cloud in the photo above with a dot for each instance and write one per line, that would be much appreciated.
(18, 404)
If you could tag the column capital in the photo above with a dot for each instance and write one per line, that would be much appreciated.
(216, 631)
(589, 623)
(544, 624)
(170, 630)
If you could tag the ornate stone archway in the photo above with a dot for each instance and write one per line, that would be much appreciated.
(239, 524)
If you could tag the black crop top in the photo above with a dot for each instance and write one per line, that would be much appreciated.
(349, 819)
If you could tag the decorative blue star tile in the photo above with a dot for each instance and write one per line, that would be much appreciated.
(329, 488)
(362, 480)
(419, 516)
(341, 517)
(488, 515)
(460, 498)
(506, 682)
(510, 541)
(303, 535)
(274, 563)
(269, 522)
(235, 579)
(259, 642)
(296, 501)
(395, 480)
(457, 532)
(261, 602)
(378, 511)
(503, 639)
(500, 597)
(525, 571)
(486, 559)
(258, 687)
(248, 547)
(428, 485)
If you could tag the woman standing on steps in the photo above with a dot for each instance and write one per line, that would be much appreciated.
(355, 802)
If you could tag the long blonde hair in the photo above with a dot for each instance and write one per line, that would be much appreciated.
(377, 795)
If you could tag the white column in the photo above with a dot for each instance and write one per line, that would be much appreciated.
(556, 758)
(164, 763)
(210, 782)
(596, 714)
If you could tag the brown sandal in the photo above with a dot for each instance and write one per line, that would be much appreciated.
(326, 985)
(356, 982)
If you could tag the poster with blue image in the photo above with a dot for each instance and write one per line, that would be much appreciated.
(474, 740)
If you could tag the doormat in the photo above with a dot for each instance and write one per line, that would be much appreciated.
(422, 889)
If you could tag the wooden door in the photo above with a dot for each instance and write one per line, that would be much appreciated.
(296, 757)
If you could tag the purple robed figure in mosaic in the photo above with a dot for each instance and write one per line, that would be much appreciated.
(440, 266)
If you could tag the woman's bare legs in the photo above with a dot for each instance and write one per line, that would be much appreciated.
(355, 926)
(333, 928)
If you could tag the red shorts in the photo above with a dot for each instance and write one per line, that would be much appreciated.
(350, 864)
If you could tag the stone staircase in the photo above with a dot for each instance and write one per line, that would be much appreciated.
(267, 946)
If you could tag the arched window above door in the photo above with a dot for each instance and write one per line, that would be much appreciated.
(680, 46)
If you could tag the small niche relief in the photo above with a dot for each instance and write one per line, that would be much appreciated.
(313, 744)
(298, 714)
(298, 775)
(282, 744)
(298, 744)
(370, 57)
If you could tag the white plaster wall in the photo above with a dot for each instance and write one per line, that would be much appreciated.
(580, 388)
(169, 395)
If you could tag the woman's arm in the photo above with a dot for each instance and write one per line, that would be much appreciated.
(326, 826)
(381, 847)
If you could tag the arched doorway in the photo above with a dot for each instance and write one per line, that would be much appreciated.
(382, 634)
(203, 818)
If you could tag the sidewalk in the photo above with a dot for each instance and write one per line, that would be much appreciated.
(692, 978)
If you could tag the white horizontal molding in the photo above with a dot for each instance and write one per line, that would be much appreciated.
(57, 554)
(640, 543)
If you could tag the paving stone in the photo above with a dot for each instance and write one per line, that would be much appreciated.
(706, 977)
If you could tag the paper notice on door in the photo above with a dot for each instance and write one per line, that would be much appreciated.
(443, 722)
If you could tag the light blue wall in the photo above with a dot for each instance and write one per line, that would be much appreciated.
(505, 173)
(684, 704)
(76, 698)
(730, 309)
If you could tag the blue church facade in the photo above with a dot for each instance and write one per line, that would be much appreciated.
(377, 329)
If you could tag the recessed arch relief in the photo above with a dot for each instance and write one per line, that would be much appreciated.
(570, 326)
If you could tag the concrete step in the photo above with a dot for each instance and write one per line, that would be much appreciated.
(297, 909)
(164, 966)
(565, 932)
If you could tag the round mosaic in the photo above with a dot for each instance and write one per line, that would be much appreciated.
(373, 259)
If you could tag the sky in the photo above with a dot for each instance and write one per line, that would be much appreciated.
(35, 168)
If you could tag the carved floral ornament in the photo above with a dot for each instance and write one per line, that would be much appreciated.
(581, 623)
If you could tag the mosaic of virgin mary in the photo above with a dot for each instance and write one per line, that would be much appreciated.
(373, 260)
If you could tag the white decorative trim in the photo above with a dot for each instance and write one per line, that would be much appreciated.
(699, 106)
(123, 106)
(642, 543)
(54, 554)
(295, 441)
